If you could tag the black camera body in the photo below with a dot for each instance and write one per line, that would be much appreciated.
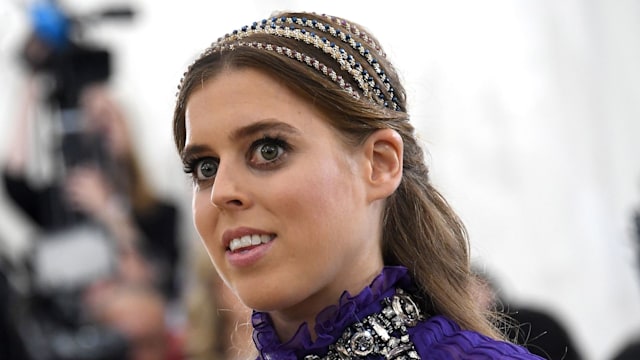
(55, 48)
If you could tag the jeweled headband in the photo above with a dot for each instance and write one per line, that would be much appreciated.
(345, 48)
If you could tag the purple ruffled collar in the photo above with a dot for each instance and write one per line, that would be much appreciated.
(331, 321)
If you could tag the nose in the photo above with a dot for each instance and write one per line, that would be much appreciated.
(229, 189)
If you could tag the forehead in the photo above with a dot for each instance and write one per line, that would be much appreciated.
(238, 97)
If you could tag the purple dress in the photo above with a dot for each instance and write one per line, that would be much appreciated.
(381, 322)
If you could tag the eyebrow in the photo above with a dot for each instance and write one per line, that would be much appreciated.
(260, 126)
(241, 133)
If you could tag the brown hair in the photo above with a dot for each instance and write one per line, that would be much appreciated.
(420, 229)
(128, 175)
(218, 326)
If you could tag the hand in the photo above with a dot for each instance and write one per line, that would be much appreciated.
(134, 269)
(88, 191)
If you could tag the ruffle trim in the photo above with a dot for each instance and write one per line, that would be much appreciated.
(331, 321)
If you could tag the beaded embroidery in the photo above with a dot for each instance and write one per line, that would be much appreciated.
(382, 334)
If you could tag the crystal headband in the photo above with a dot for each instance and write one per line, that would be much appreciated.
(296, 55)
(286, 27)
(361, 34)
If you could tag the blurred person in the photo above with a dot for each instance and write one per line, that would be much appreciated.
(104, 186)
(312, 198)
(98, 223)
(218, 324)
(535, 328)
(13, 346)
(138, 312)
(630, 349)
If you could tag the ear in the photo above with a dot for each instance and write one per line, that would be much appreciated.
(383, 152)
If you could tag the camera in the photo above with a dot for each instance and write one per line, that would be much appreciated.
(55, 47)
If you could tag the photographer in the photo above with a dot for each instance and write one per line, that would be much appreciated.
(98, 223)
(113, 194)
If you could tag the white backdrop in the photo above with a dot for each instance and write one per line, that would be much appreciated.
(529, 111)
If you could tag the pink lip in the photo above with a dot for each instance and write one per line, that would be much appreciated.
(249, 256)
(231, 234)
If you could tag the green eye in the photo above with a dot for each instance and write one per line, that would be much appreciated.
(270, 152)
(207, 168)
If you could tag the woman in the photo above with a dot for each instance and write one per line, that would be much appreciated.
(118, 195)
(311, 196)
(102, 184)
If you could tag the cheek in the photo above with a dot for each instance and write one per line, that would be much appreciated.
(203, 213)
(319, 197)
(205, 217)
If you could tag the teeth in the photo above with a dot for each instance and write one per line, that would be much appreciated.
(248, 240)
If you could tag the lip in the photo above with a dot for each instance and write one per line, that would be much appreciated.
(231, 234)
(248, 258)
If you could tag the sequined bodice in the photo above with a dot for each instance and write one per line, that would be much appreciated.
(383, 333)
(381, 322)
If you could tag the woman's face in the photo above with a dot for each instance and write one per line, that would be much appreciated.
(278, 200)
(105, 118)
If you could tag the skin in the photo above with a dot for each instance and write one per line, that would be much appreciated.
(103, 116)
(320, 200)
(139, 315)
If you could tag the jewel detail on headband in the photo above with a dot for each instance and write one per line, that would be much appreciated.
(354, 29)
(303, 58)
(285, 27)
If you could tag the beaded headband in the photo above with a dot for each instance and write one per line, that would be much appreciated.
(307, 30)
(293, 54)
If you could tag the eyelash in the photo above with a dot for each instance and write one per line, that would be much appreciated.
(190, 165)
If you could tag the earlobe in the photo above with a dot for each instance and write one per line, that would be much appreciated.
(384, 150)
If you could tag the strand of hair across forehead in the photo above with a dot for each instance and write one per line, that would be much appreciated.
(286, 27)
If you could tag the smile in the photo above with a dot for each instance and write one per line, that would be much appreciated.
(248, 241)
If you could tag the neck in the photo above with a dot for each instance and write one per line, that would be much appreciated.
(288, 321)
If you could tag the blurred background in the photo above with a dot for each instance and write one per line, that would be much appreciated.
(529, 111)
